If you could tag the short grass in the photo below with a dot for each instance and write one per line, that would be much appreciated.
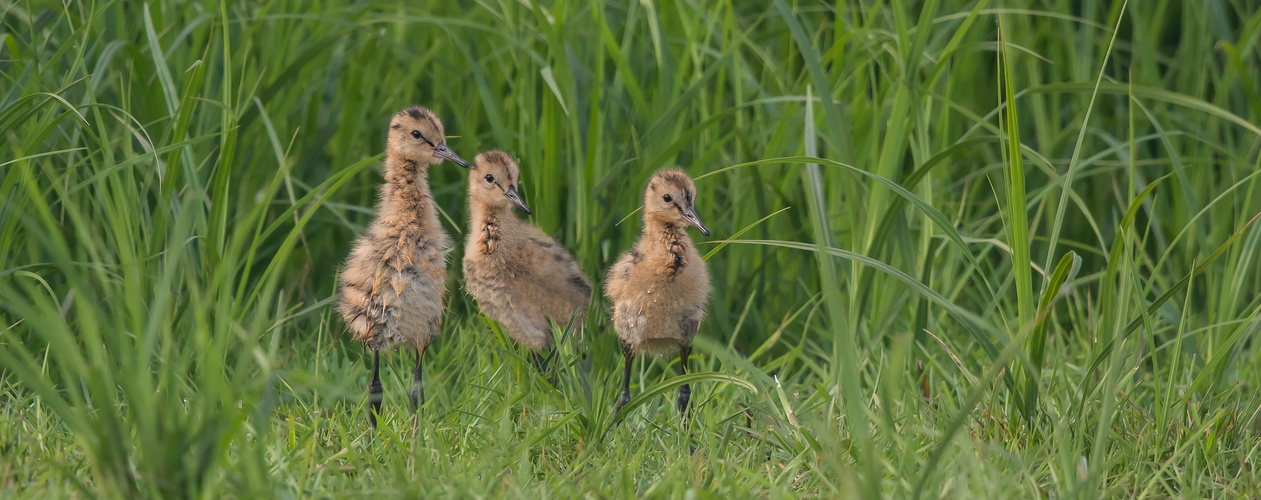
(962, 248)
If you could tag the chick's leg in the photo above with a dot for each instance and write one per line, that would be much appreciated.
(418, 390)
(628, 355)
(540, 361)
(374, 389)
(685, 390)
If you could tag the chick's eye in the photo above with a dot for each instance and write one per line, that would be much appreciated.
(415, 134)
(667, 198)
(490, 178)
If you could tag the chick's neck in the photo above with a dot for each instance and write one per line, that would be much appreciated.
(668, 239)
(407, 188)
(487, 220)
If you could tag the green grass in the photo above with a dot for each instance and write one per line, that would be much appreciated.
(962, 248)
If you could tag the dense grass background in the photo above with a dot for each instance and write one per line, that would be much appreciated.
(963, 248)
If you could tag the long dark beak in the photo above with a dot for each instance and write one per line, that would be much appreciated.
(689, 214)
(445, 152)
(515, 198)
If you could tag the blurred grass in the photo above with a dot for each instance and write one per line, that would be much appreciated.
(889, 185)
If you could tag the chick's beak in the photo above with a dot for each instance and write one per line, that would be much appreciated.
(442, 151)
(515, 198)
(689, 214)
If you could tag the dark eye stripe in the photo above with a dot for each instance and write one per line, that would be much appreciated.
(423, 138)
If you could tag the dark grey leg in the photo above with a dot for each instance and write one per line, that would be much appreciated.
(685, 390)
(418, 390)
(628, 355)
(540, 361)
(374, 389)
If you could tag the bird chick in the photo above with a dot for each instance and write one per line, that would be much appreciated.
(519, 275)
(393, 282)
(660, 287)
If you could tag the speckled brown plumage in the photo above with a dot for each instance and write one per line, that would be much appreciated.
(487, 234)
(392, 285)
(660, 287)
(520, 277)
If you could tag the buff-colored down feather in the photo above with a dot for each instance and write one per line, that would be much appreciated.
(393, 283)
(519, 275)
(660, 287)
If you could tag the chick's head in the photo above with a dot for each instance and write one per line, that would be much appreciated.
(670, 199)
(416, 134)
(493, 181)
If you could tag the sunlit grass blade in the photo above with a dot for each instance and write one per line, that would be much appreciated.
(1065, 272)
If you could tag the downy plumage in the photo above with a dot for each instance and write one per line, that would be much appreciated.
(660, 287)
(393, 283)
(520, 276)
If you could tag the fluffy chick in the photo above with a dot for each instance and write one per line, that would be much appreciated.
(519, 275)
(393, 283)
(660, 287)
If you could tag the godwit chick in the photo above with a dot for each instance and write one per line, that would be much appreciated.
(393, 283)
(659, 288)
(520, 276)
